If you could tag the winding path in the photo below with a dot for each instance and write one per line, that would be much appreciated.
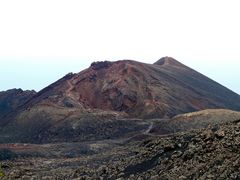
(68, 91)
(149, 128)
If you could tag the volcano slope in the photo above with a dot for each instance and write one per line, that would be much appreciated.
(196, 120)
(98, 102)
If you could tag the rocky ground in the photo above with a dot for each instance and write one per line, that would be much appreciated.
(212, 153)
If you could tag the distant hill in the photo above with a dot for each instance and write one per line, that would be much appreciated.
(12, 99)
(115, 91)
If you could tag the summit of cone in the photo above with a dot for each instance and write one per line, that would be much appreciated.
(169, 61)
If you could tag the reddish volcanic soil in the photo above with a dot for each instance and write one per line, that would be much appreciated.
(164, 89)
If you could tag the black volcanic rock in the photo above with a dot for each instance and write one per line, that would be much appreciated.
(101, 64)
(212, 153)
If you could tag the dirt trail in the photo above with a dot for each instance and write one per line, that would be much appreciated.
(70, 88)
(149, 128)
(68, 91)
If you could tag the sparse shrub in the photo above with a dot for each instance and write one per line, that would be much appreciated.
(6, 154)
(2, 174)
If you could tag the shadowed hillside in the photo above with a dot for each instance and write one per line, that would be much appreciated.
(12, 99)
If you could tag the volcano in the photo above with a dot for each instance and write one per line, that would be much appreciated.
(111, 91)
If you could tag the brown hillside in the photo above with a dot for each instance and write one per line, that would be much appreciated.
(164, 89)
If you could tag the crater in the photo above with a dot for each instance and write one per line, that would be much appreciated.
(168, 61)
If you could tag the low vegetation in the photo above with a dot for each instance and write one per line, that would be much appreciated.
(6, 154)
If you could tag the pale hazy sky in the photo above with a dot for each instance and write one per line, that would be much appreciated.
(42, 40)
